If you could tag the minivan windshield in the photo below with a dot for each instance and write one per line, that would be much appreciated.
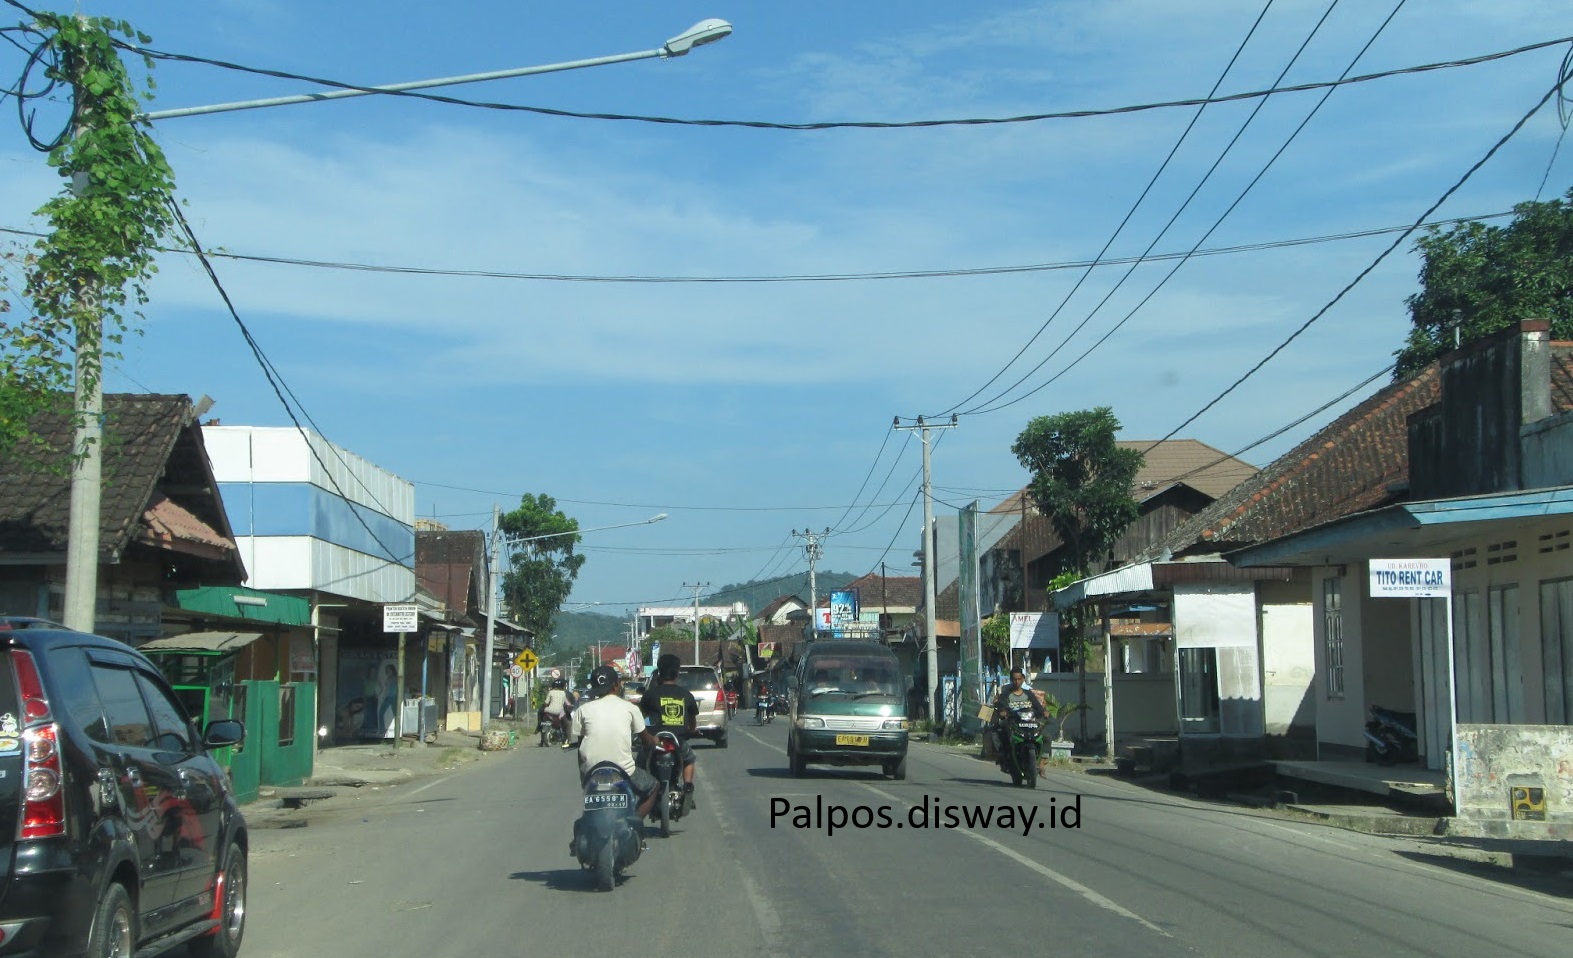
(857, 676)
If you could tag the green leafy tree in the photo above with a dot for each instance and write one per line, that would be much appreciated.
(1477, 279)
(541, 563)
(996, 635)
(1081, 481)
(116, 210)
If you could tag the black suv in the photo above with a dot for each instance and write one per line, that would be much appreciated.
(119, 834)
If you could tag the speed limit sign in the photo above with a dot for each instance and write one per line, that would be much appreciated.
(516, 672)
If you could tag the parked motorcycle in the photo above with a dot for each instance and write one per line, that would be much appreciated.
(665, 763)
(607, 837)
(1390, 737)
(1021, 742)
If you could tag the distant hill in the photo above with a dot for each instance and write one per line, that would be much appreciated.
(758, 594)
(575, 630)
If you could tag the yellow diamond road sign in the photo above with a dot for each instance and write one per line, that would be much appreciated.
(526, 660)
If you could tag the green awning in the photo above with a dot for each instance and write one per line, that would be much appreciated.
(239, 602)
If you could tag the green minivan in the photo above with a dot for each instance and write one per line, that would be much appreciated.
(850, 708)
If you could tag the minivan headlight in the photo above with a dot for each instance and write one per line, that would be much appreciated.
(894, 725)
(808, 721)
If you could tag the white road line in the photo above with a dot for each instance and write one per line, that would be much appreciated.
(764, 913)
(438, 781)
(1012, 854)
(1041, 869)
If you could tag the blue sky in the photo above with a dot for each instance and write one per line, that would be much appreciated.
(748, 410)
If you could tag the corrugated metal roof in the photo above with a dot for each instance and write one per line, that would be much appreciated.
(201, 642)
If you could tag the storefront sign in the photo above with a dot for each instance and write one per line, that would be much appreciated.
(1411, 578)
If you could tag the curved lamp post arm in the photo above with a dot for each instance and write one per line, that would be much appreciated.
(706, 31)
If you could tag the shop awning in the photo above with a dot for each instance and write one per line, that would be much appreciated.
(239, 602)
(201, 642)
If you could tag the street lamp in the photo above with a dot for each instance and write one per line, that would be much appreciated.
(82, 531)
(491, 615)
(701, 33)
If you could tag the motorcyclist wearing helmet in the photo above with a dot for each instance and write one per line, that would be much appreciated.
(558, 701)
(672, 708)
(604, 729)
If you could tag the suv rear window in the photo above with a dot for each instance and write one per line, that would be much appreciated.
(698, 680)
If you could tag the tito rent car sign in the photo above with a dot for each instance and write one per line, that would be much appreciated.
(1411, 578)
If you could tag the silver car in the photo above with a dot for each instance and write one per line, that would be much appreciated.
(705, 685)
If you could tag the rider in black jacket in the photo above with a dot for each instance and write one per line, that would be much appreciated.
(1014, 697)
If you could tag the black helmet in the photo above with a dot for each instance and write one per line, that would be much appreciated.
(602, 679)
(668, 665)
(559, 682)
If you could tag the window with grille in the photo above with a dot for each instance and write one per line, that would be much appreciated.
(1333, 634)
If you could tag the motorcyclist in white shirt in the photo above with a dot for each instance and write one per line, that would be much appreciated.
(558, 701)
(604, 730)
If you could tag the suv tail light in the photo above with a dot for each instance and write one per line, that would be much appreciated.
(43, 802)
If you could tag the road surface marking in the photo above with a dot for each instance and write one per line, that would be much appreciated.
(1041, 869)
(764, 914)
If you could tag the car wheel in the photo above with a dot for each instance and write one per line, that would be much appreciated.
(232, 915)
(795, 761)
(720, 741)
(898, 769)
(114, 932)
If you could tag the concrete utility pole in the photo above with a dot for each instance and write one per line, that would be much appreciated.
(815, 553)
(80, 607)
(929, 627)
(491, 617)
(696, 587)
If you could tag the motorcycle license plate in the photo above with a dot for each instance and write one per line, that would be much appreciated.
(851, 739)
(605, 800)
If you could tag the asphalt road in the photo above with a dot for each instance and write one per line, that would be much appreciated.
(476, 863)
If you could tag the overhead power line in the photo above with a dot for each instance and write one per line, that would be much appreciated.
(999, 402)
(843, 124)
(1555, 88)
(815, 277)
(1141, 198)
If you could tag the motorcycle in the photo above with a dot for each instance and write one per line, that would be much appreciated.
(665, 764)
(1390, 737)
(1021, 742)
(608, 836)
(764, 709)
(554, 729)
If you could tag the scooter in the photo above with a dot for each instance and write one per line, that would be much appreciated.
(1390, 737)
(607, 836)
(1021, 743)
(665, 764)
(765, 709)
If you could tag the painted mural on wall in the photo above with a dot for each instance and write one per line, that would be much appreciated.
(368, 694)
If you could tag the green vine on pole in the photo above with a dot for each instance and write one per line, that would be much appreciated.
(105, 225)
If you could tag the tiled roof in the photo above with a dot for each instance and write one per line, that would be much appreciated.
(901, 591)
(1562, 376)
(140, 436)
(776, 605)
(1345, 467)
(1205, 469)
(164, 522)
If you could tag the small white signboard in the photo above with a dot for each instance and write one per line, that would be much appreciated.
(1034, 630)
(1411, 578)
(401, 618)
